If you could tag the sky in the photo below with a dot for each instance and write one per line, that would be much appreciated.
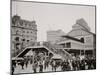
(50, 16)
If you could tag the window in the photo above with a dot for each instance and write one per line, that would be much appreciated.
(28, 40)
(17, 31)
(17, 38)
(82, 40)
(27, 31)
(21, 23)
(23, 39)
(25, 24)
(30, 25)
(68, 45)
(63, 45)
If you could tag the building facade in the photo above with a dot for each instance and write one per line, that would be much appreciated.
(80, 40)
(23, 34)
(54, 36)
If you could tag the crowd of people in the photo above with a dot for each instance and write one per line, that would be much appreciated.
(87, 63)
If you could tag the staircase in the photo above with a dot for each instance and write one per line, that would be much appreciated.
(58, 49)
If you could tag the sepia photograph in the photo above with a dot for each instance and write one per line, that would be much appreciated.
(52, 37)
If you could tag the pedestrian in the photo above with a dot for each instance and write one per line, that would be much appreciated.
(94, 63)
(35, 66)
(63, 65)
(54, 66)
(26, 63)
(74, 64)
(22, 64)
(68, 68)
(82, 65)
(86, 66)
(40, 67)
(14, 63)
(51, 63)
(12, 72)
(45, 65)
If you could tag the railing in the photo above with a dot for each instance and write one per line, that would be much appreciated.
(58, 49)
